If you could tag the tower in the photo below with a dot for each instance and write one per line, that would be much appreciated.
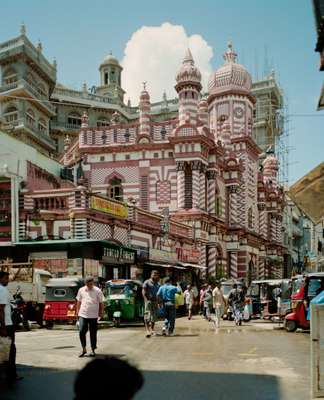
(110, 78)
(144, 112)
(188, 87)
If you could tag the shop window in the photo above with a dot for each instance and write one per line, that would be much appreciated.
(115, 189)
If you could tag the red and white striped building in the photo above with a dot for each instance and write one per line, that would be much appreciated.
(204, 167)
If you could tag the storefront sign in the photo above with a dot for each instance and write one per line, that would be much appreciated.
(116, 255)
(188, 255)
(109, 207)
(163, 256)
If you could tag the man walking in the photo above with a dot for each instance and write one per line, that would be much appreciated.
(189, 295)
(166, 295)
(236, 300)
(149, 292)
(89, 308)
(7, 328)
(218, 304)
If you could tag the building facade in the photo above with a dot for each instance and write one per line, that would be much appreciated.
(202, 165)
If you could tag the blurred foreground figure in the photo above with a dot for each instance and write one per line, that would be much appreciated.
(108, 378)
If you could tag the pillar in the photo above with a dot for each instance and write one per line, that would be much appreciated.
(211, 268)
(211, 191)
(181, 184)
(233, 259)
(196, 184)
(233, 205)
(202, 195)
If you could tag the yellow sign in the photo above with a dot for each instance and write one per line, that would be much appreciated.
(109, 206)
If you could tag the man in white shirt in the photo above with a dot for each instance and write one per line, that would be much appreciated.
(7, 328)
(89, 308)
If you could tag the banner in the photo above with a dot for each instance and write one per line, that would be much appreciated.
(163, 256)
(188, 255)
(109, 207)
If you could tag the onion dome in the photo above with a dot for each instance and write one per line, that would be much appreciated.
(144, 96)
(188, 71)
(231, 76)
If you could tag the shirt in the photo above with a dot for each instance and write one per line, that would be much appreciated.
(151, 289)
(167, 292)
(218, 298)
(90, 300)
(5, 300)
(189, 296)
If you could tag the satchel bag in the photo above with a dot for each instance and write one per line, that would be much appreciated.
(5, 344)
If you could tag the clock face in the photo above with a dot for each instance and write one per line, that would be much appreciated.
(238, 112)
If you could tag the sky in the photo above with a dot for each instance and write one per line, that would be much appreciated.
(150, 37)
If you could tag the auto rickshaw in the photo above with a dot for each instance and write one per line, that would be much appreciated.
(124, 301)
(305, 289)
(270, 298)
(60, 300)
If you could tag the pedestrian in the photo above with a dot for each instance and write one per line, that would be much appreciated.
(208, 302)
(90, 307)
(7, 328)
(166, 296)
(150, 289)
(108, 378)
(218, 304)
(201, 299)
(236, 301)
(189, 295)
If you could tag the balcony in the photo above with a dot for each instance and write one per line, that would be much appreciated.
(38, 135)
(22, 87)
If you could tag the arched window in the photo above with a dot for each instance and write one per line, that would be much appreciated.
(218, 206)
(115, 189)
(30, 117)
(250, 218)
(10, 76)
(74, 120)
(42, 126)
(11, 114)
(102, 122)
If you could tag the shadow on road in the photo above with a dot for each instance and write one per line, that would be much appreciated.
(53, 384)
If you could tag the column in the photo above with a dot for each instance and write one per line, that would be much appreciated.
(211, 268)
(262, 221)
(181, 184)
(196, 166)
(261, 267)
(211, 191)
(233, 205)
(202, 181)
(202, 260)
(233, 264)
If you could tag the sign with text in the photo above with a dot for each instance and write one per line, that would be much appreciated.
(109, 207)
(163, 256)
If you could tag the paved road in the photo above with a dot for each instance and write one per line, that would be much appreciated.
(251, 362)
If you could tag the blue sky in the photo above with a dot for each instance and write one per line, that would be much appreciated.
(80, 33)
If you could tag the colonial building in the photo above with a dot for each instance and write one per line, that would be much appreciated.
(203, 166)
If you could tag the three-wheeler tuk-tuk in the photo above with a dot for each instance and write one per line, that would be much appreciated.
(60, 300)
(124, 301)
(305, 289)
(270, 298)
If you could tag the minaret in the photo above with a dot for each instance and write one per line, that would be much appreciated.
(144, 112)
(270, 170)
(203, 112)
(188, 88)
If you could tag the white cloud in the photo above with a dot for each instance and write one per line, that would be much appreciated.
(154, 54)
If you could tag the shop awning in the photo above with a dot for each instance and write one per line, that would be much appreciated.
(188, 265)
(157, 265)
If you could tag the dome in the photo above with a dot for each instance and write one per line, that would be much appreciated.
(188, 71)
(110, 60)
(144, 96)
(231, 76)
(271, 163)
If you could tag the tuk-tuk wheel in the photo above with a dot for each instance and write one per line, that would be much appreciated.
(290, 326)
(49, 324)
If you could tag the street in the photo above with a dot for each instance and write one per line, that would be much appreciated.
(251, 362)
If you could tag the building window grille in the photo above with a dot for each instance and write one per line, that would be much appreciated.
(30, 117)
(171, 154)
(9, 77)
(156, 155)
(115, 189)
(102, 123)
(163, 133)
(127, 157)
(188, 187)
(42, 127)
(250, 218)
(144, 192)
(115, 136)
(218, 207)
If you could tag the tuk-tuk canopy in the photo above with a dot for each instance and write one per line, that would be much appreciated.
(69, 281)
(123, 282)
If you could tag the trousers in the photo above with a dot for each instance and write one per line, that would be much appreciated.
(92, 325)
(10, 365)
(170, 316)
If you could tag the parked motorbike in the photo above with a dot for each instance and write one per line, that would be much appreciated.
(18, 311)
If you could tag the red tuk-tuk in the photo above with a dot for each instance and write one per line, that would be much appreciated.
(304, 289)
(60, 302)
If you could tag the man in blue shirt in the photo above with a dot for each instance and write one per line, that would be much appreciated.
(166, 296)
